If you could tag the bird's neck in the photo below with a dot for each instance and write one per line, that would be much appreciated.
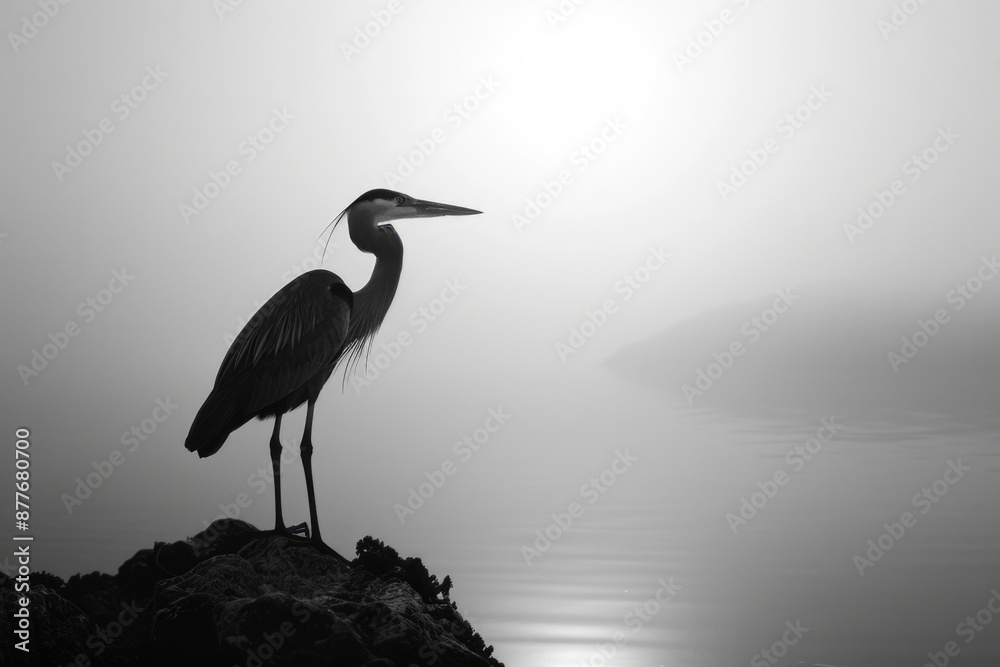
(383, 242)
(388, 253)
(371, 302)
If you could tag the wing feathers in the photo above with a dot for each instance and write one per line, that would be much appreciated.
(296, 335)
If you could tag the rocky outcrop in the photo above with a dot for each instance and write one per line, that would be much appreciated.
(232, 595)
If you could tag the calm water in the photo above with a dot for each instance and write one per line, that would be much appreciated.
(651, 572)
(662, 528)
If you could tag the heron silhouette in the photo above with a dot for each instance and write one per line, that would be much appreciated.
(291, 346)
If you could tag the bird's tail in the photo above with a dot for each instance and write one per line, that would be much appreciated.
(216, 419)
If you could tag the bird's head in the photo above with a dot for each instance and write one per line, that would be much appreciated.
(380, 206)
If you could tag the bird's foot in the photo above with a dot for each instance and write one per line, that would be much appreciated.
(298, 536)
(299, 529)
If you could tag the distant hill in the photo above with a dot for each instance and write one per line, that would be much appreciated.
(829, 354)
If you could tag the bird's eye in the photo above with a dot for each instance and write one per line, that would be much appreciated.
(399, 200)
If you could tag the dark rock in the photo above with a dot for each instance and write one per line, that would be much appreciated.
(64, 626)
(232, 595)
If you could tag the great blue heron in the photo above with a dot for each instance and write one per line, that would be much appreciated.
(290, 347)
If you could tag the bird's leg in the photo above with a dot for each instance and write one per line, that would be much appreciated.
(279, 523)
(306, 451)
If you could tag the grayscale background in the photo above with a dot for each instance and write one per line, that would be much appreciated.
(842, 99)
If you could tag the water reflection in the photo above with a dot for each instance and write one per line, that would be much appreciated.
(737, 594)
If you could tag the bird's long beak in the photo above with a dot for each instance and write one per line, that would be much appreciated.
(430, 209)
